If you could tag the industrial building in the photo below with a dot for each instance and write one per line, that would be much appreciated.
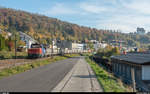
(139, 62)
(140, 31)
(68, 45)
(98, 45)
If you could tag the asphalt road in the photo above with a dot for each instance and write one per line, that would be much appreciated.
(42, 79)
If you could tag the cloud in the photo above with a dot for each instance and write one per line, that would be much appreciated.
(124, 15)
(59, 9)
(113, 26)
(139, 6)
(126, 23)
(127, 16)
(91, 8)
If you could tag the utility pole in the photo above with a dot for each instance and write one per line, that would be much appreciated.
(62, 47)
(133, 79)
(52, 46)
(15, 47)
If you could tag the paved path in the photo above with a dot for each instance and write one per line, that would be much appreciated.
(42, 79)
(70, 75)
(80, 79)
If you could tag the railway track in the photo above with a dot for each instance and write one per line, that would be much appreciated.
(7, 63)
(16, 62)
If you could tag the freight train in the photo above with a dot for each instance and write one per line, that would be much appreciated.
(36, 50)
(40, 50)
(104, 62)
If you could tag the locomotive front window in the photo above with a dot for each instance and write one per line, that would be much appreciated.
(35, 46)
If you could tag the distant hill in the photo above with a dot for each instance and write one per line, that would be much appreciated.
(42, 27)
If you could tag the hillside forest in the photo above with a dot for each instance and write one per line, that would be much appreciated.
(43, 29)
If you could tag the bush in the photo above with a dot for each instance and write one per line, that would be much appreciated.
(108, 51)
(2, 43)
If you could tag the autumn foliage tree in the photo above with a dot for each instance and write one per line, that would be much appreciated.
(2, 43)
(108, 51)
(41, 27)
(10, 45)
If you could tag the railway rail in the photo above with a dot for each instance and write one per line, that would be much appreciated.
(7, 63)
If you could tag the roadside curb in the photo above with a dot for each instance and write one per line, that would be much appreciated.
(96, 87)
(63, 82)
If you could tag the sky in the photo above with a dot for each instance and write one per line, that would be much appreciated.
(123, 15)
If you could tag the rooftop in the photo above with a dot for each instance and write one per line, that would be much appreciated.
(136, 58)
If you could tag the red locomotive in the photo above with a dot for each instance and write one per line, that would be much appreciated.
(36, 50)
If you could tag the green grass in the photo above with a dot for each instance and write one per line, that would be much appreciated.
(11, 54)
(34, 64)
(71, 55)
(107, 80)
(86, 54)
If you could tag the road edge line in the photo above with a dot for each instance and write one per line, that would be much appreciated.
(59, 87)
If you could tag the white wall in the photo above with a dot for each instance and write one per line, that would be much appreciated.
(77, 46)
(146, 72)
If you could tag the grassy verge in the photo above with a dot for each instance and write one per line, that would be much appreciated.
(71, 55)
(107, 80)
(34, 64)
(86, 54)
(11, 54)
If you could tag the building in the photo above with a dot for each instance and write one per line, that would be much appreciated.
(93, 41)
(64, 44)
(140, 31)
(103, 45)
(139, 62)
(75, 47)
(98, 45)
(54, 45)
(117, 43)
(26, 38)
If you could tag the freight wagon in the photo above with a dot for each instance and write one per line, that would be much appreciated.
(40, 50)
